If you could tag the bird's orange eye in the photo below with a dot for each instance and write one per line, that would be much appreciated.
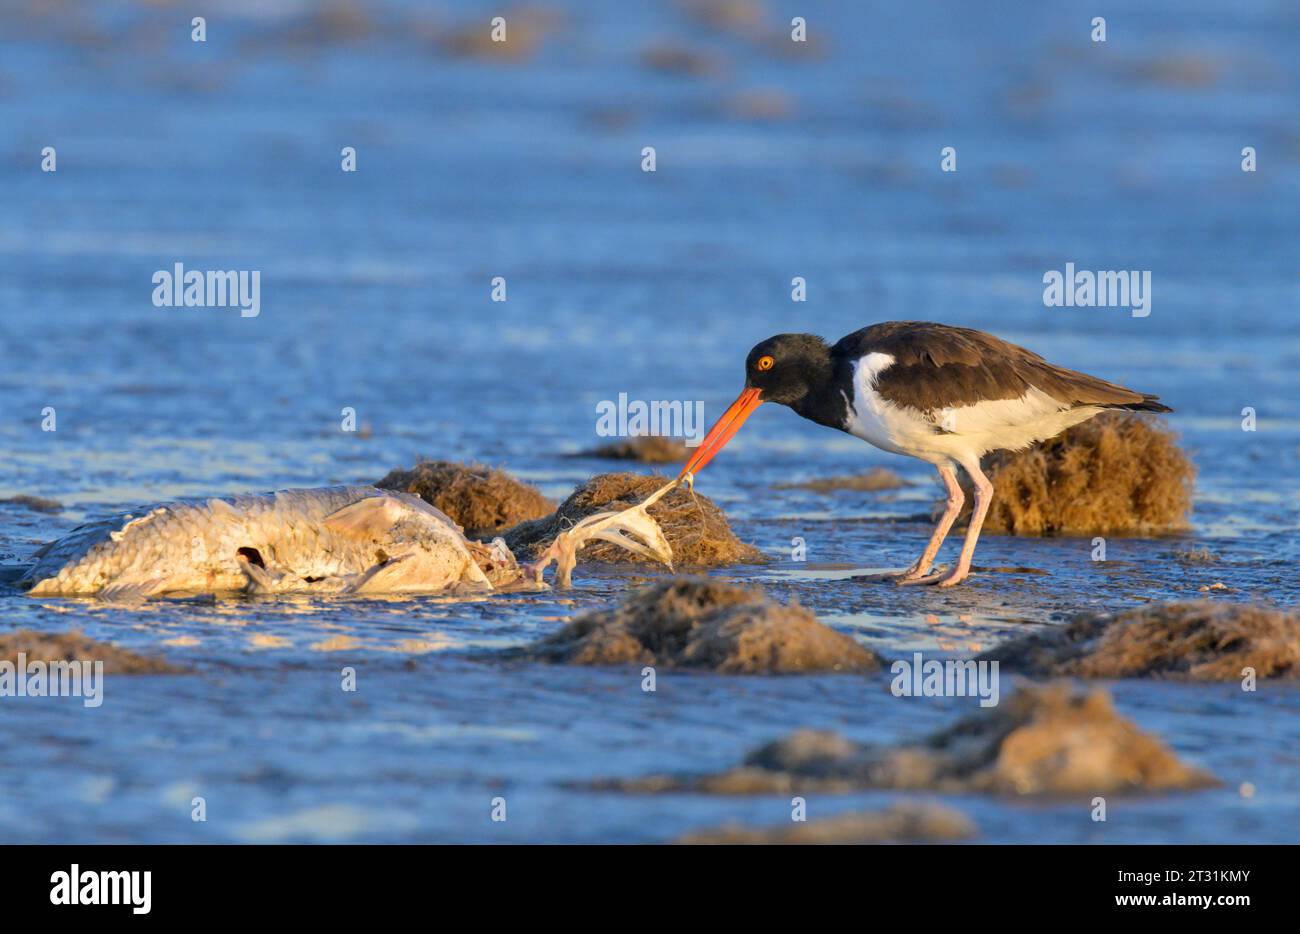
(765, 363)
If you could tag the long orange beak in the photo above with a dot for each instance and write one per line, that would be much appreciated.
(722, 431)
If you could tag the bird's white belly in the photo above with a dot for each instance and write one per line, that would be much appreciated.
(896, 429)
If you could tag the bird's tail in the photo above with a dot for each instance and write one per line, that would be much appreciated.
(1149, 403)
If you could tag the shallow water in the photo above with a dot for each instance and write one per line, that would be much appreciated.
(376, 295)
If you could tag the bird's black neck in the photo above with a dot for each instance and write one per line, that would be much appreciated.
(826, 401)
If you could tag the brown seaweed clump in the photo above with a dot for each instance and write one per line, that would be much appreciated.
(672, 58)
(481, 500)
(695, 622)
(743, 18)
(1178, 70)
(1200, 555)
(873, 481)
(75, 646)
(1197, 641)
(1045, 740)
(645, 449)
(695, 528)
(34, 503)
(758, 105)
(905, 822)
(1117, 473)
(526, 29)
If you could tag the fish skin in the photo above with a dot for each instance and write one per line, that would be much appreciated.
(194, 547)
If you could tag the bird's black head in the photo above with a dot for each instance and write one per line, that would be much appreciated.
(787, 367)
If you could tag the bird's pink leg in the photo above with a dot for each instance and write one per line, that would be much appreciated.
(983, 497)
(916, 573)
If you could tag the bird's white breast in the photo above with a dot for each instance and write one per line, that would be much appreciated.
(872, 419)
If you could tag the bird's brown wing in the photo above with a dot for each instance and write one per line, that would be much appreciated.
(937, 366)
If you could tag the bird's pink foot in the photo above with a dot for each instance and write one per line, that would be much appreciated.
(955, 577)
(915, 572)
(911, 577)
(938, 578)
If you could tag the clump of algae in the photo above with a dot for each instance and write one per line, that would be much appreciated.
(529, 28)
(644, 449)
(873, 481)
(905, 822)
(75, 646)
(1196, 641)
(1117, 473)
(1046, 740)
(696, 622)
(34, 503)
(694, 526)
(482, 500)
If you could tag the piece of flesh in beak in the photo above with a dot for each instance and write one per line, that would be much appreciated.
(722, 431)
(633, 529)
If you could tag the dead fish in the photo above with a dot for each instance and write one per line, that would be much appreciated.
(345, 539)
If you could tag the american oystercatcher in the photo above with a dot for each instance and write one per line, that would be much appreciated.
(943, 394)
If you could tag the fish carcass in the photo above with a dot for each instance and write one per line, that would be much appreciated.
(345, 539)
